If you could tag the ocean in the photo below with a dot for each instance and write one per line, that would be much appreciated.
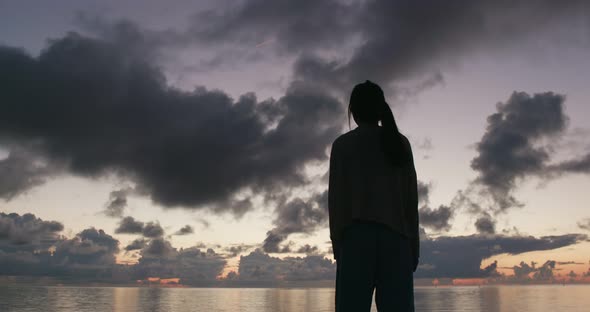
(552, 298)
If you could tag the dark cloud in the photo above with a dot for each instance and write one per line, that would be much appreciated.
(584, 224)
(183, 149)
(581, 165)
(28, 230)
(308, 249)
(117, 202)
(287, 26)
(572, 275)
(129, 225)
(509, 150)
(90, 247)
(461, 256)
(424, 193)
(436, 219)
(569, 262)
(152, 230)
(518, 144)
(272, 241)
(190, 265)
(528, 273)
(136, 244)
(405, 46)
(485, 224)
(523, 270)
(204, 223)
(158, 248)
(390, 41)
(259, 266)
(89, 254)
(185, 230)
(235, 250)
(21, 171)
(25, 243)
(150, 44)
(201, 245)
(296, 216)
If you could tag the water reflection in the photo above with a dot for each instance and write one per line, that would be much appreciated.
(125, 299)
(82, 299)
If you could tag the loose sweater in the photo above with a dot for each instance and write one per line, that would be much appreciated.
(365, 186)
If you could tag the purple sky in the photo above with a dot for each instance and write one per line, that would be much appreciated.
(218, 116)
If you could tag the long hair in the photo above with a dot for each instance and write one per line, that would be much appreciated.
(367, 104)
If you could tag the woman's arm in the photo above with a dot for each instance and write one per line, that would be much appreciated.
(334, 196)
(412, 208)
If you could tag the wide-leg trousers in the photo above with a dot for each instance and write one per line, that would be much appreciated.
(372, 256)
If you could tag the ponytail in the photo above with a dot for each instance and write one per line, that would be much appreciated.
(391, 139)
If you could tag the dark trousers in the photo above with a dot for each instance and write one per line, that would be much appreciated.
(372, 256)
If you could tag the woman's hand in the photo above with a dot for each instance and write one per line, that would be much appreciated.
(335, 249)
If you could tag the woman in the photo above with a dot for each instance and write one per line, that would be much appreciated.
(373, 208)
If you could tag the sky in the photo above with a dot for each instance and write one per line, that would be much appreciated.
(191, 140)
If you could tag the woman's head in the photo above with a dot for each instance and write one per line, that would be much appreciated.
(367, 106)
(366, 103)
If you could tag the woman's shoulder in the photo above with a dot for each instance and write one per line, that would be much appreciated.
(405, 140)
(345, 137)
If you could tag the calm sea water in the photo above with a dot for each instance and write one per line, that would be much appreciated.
(81, 299)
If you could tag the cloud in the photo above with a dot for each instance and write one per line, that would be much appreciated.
(91, 247)
(204, 223)
(237, 249)
(152, 230)
(158, 248)
(581, 165)
(509, 149)
(404, 46)
(185, 230)
(28, 230)
(518, 144)
(423, 193)
(572, 275)
(296, 216)
(88, 255)
(136, 244)
(389, 41)
(523, 270)
(91, 256)
(308, 249)
(461, 256)
(259, 266)
(21, 171)
(117, 202)
(191, 265)
(485, 224)
(129, 225)
(286, 26)
(526, 273)
(207, 149)
(272, 241)
(436, 219)
(584, 224)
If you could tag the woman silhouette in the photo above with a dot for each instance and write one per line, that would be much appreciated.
(373, 208)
